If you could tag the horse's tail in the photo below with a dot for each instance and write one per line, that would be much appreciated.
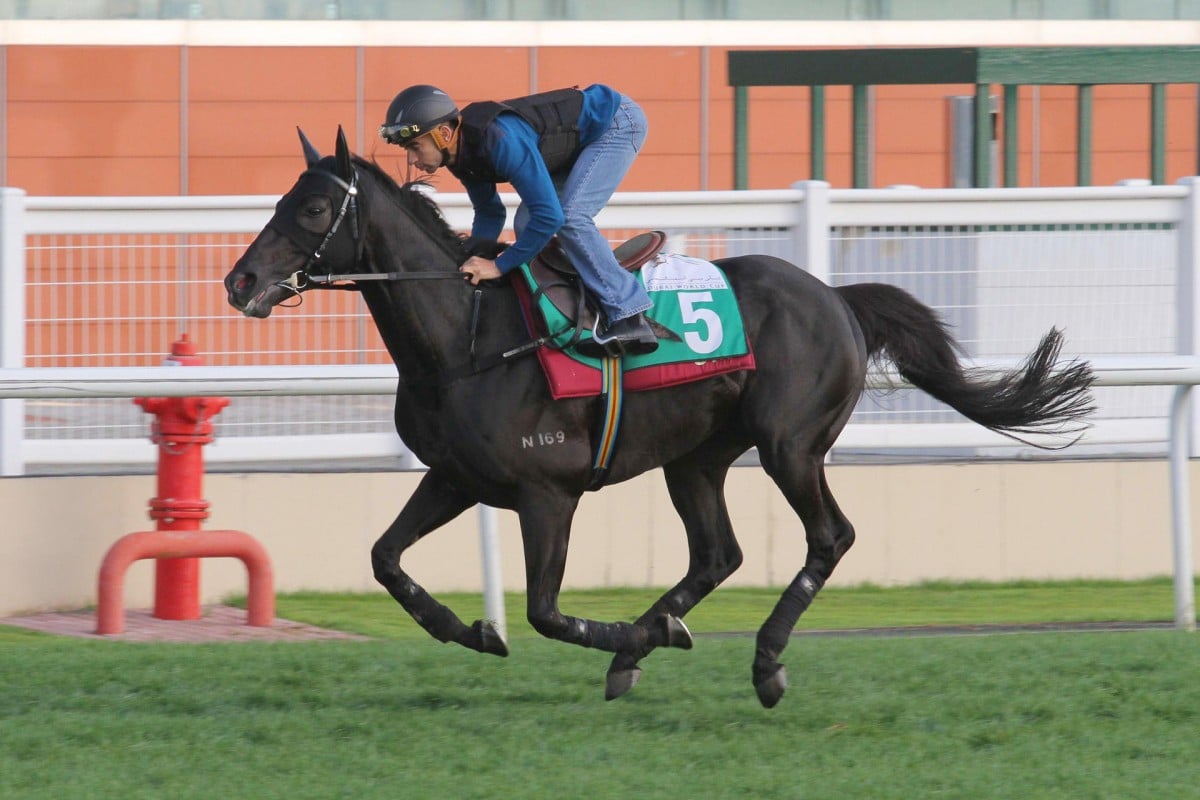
(1040, 396)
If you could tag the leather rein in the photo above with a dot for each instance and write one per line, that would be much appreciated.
(303, 279)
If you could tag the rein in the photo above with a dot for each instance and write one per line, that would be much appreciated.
(302, 279)
(320, 281)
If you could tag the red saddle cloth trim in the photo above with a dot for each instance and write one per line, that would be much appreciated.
(570, 378)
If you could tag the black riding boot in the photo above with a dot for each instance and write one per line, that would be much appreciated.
(630, 336)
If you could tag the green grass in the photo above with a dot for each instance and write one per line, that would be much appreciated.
(1046, 715)
(742, 609)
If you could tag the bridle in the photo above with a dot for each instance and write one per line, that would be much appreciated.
(303, 279)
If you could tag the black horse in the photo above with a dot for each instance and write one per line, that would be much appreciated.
(467, 421)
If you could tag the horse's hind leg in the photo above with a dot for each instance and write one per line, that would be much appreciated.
(546, 514)
(434, 503)
(696, 485)
(801, 477)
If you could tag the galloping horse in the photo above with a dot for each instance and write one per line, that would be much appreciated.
(812, 345)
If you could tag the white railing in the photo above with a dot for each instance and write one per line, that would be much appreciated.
(1113, 265)
(108, 382)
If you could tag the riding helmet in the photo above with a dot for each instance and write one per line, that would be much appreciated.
(416, 111)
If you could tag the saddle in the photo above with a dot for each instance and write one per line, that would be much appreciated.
(558, 281)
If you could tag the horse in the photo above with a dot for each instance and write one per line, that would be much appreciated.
(464, 415)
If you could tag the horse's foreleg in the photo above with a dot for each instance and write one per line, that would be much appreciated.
(545, 530)
(829, 535)
(697, 491)
(434, 503)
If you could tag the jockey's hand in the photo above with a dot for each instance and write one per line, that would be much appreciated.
(480, 269)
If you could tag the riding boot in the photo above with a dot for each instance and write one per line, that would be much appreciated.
(629, 336)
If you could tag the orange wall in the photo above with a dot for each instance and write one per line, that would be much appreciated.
(94, 120)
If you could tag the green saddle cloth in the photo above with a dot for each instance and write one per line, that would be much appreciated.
(689, 297)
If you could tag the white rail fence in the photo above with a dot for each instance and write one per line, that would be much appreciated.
(113, 281)
(241, 382)
(86, 282)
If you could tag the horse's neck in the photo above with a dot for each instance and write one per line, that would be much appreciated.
(423, 323)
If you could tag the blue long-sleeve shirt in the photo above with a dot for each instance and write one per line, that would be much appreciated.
(511, 144)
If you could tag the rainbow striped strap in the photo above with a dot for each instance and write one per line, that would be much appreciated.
(611, 395)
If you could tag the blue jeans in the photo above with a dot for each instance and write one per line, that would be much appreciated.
(586, 189)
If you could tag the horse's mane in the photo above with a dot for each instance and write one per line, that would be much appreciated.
(414, 198)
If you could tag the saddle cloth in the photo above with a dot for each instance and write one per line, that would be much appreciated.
(694, 312)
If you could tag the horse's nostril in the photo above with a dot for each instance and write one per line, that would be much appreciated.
(243, 282)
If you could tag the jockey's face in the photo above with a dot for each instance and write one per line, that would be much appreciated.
(425, 152)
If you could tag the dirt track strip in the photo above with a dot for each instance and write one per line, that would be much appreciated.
(228, 624)
(905, 631)
(217, 624)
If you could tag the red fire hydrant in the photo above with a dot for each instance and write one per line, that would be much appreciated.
(182, 426)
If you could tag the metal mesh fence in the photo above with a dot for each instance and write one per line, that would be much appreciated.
(122, 299)
(1111, 288)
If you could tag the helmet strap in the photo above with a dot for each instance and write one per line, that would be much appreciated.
(445, 144)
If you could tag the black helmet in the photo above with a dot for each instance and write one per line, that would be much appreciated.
(416, 111)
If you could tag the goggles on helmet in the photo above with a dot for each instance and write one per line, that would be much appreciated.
(399, 134)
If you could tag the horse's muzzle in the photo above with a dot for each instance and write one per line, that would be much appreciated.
(239, 289)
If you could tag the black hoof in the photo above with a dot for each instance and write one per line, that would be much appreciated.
(620, 682)
(675, 633)
(771, 688)
(490, 640)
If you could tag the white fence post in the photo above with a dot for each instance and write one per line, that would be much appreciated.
(1181, 512)
(12, 324)
(811, 234)
(493, 581)
(1183, 411)
(1187, 297)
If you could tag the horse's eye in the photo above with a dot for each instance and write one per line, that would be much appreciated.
(314, 211)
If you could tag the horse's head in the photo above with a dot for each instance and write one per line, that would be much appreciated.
(316, 223)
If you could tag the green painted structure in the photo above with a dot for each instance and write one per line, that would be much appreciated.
(1011, 67)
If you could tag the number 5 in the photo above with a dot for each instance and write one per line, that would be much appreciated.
(706, 316)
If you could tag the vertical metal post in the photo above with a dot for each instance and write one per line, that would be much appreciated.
(493, 582)
(12, 324)
(1158, 133)
(1187, 279)
(816, 125)
(1083, 144)
(1012, 135)
(983, 135)
(1181, 515)
(1182, 411)
(741, 106)
(861, 145)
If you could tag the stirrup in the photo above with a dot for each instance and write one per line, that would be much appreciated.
(612, 345)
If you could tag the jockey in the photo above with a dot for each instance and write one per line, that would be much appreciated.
(564, 152)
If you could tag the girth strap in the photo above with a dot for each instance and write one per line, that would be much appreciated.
(611, 396)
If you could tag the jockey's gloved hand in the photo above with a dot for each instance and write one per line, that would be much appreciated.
(485, 248)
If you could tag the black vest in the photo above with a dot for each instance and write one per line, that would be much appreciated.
(554, 116)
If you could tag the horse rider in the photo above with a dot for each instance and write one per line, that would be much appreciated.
(564, 152)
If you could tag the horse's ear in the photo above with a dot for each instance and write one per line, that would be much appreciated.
(344, 168)
(311, 156)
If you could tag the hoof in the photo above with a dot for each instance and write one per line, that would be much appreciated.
(620, 682)
(490, 640)
(675, 633)
(771, 688)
